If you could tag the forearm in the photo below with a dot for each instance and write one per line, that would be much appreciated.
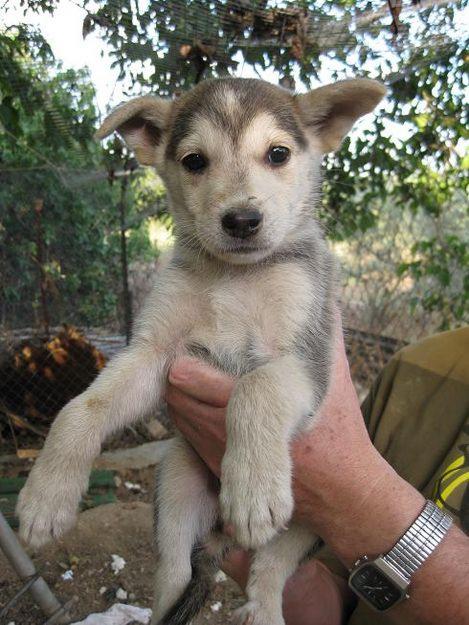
(344, 490)
(365, 512)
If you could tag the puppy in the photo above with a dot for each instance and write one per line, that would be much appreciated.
(250, 288)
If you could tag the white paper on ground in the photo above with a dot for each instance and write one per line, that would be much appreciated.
(117, 563)
(118, 614)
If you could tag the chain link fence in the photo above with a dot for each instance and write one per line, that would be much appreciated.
(68, 294)
(79, 245)
(74, 251)
(76, 265)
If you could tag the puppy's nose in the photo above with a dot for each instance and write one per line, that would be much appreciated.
(242, 224)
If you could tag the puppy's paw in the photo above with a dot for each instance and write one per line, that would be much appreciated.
(46, 508)
(253, 613)
(256, 504)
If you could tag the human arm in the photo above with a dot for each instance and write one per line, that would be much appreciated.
(343, 488)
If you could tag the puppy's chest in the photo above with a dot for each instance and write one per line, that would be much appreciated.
(248, 319)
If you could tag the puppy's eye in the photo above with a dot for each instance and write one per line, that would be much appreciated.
(194, 163)
(278, 154)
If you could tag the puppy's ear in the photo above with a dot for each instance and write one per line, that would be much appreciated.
(141, 123)
(331, 111)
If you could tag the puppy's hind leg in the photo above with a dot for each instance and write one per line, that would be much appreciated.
(186, 509)
(272, 565)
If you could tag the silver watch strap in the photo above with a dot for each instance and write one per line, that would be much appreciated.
(420, 540)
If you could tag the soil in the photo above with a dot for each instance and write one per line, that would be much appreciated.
(124, 529)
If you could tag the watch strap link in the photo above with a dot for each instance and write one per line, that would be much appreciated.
(420, 540)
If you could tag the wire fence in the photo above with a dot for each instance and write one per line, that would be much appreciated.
(67, 271)
(79, 247)
(70, 287)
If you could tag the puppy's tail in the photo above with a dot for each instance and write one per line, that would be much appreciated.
(204, 566)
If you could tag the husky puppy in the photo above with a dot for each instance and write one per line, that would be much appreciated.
(250, 288)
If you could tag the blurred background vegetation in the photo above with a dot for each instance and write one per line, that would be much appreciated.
(81, 227)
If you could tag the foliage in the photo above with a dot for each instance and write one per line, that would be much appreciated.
(421, 173)
(411, 156)
(47, 122)
(389, 285)
(444, 262)
(15, 78)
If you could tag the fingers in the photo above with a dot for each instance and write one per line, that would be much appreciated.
(208, 440)
(194, 418)
(197, 396)
(187, 427)
(200, 414)
(201, 382)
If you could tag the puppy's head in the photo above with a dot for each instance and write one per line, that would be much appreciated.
(241, 158)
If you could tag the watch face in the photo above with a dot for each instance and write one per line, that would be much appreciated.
(375, 587)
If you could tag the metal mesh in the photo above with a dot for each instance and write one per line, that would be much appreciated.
(65, 291)
(77, 255)
(63, 299)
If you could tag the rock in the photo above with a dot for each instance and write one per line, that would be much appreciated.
(138, 457)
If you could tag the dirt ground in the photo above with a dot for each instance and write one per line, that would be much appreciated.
(123, 529)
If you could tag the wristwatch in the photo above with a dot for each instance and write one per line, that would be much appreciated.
(383, 582)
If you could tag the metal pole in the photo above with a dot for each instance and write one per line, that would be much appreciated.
(25, 568)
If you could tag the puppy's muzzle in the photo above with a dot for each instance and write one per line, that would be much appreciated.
(242, 224)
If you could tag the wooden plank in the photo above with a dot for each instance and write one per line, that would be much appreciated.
(11, 484)
(100, 478)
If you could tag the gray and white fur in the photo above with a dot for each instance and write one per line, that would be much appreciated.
(255, 301)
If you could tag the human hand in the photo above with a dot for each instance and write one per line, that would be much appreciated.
(197, 396)
(343, 488)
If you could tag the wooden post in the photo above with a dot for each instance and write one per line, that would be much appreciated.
(40, 258)
(127, 301)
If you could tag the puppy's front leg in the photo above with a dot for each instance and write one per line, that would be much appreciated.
(265, 408)
(127, 389)
(271, 566)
